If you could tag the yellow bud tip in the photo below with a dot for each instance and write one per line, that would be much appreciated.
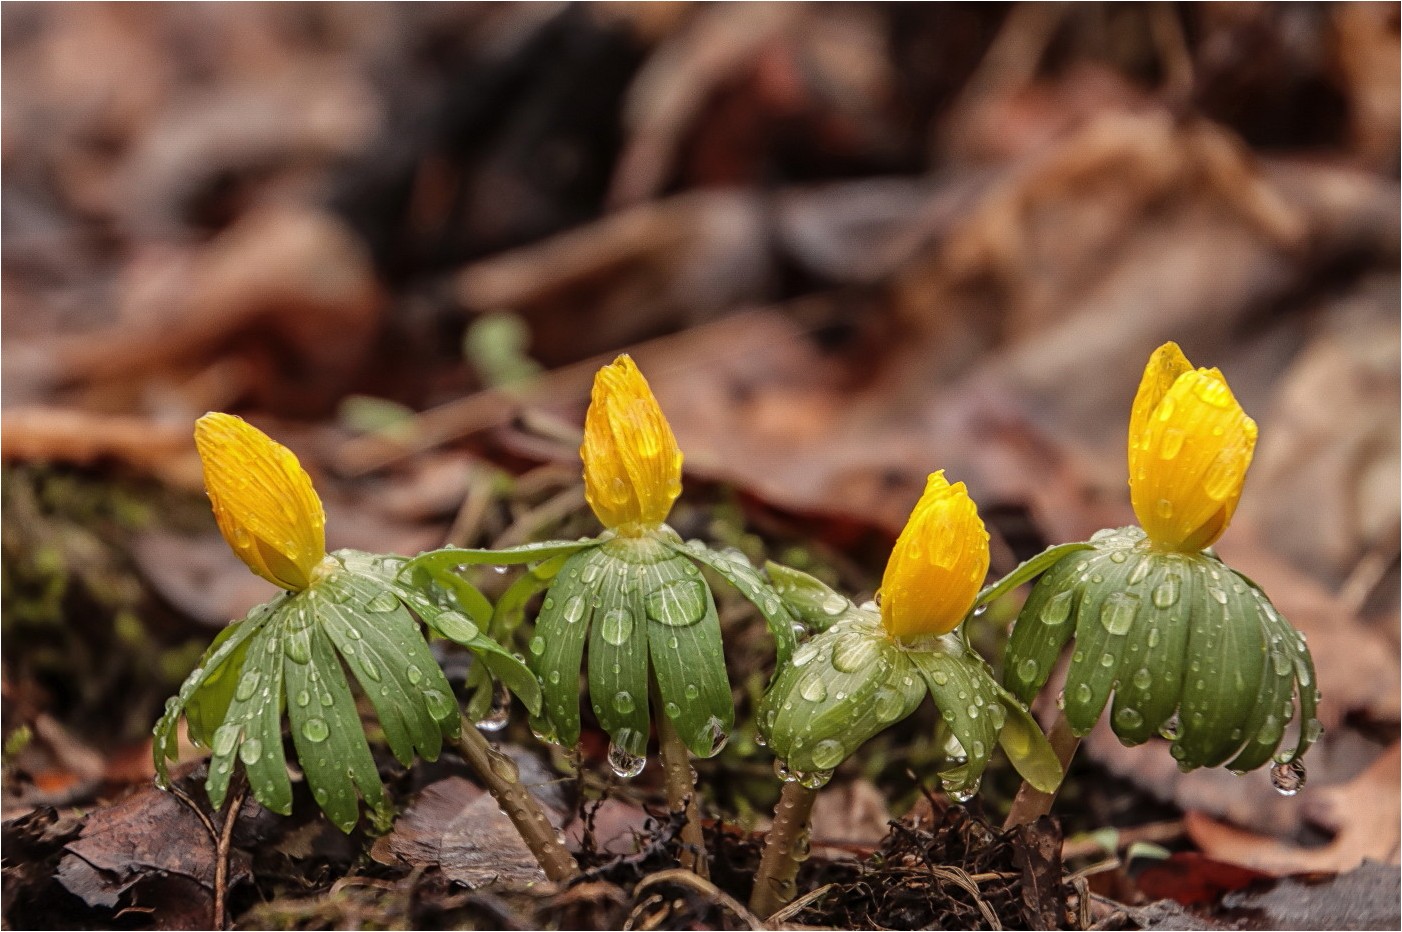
(1190, 444)
(939, 563)
(632, 466)
(263, 500)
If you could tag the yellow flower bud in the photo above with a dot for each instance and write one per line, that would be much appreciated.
(938, 564)
(263, 500)
(632, 467)
(1190, 444)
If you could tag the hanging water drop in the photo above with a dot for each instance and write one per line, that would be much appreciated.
(623, 754)
(1288, 778)
(499, 712)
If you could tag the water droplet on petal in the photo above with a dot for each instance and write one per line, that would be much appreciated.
(439, 706)
(679, 603)
(383, 601)
(456, 626)
(1117, 614)
(1057, 608)
(248, 685)
(616, 626)
(251, 751)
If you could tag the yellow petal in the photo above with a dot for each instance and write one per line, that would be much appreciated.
(939, 563)
(632, 467)
(263, 500)
(1189, 448)
(1165, 366)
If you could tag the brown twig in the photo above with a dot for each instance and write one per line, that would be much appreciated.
(703, 887)
(221, 850)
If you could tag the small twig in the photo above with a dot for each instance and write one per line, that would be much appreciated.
(198, 810)
(800, 904)
(706, 889)
(221, 850)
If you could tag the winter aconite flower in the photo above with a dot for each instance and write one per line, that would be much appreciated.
(870, 667)
(1190, 444)
(634, 594)
(1188, 647)
(938, 564)
(346, 608)
(632, 467)
(263, 500)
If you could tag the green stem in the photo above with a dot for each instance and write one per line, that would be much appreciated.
(785, 848)
(681, 794)
(503, 780)
(1031, 804)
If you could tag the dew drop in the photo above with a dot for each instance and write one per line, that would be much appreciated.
(370, 670)
(672, 709)
(1142, 678)
(499, 712)
(383, 601)
(623, 701)
(805, 655)
(503, 766)
(1083, 693)
(224, 739)
(315, 730)
(1117, 615)
(439, 705)
(616, 626)
(623, 756)
(887, 706)
(1057, 608)
(248, 685)
(679, 603)
(250, 751)
(1166, 593)
(414, 674)
(456, 626)
(1170, 728)
(1288, 778)
(815, 690)
(1128, 718)
(713, 736)
(574, 609)
(304, 698)
(854, 652)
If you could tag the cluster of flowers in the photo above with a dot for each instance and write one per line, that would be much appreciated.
(1188, 647)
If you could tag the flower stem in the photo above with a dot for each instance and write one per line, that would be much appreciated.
(681, 794)
(503, 780)
(785, 848)
(1031, 804)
